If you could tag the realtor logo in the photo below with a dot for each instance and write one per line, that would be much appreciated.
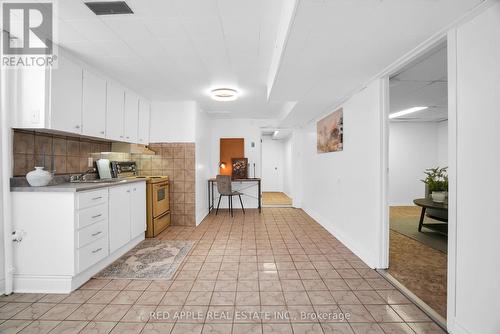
(28, 34)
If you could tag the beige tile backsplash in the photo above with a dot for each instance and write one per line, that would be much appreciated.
(177, 161)
(70, 154)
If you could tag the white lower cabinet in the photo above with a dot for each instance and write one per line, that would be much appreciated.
(71, 236)
(127, 212)
(138, 209)
(119, 212)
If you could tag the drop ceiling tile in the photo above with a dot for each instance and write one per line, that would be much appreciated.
(92, 29)
(74, 10)
(128, 28)
(167, 28)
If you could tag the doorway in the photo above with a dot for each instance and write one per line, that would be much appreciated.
(418, 151)
(276, 169)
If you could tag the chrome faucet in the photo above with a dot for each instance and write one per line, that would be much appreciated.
(82, 176)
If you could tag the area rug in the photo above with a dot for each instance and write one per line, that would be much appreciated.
(151, 259)
(409, 228)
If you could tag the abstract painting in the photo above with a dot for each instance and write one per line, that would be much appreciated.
(239, 168)
(330, 131)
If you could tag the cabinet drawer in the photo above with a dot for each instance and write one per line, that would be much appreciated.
(91, 233)
(92, 253)
(92, 215)
(91, 198)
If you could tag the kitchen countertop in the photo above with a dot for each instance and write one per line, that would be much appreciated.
(73, 187)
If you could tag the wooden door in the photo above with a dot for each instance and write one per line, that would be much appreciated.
(230, 148)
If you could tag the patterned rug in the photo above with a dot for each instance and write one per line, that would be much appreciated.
(151, 259)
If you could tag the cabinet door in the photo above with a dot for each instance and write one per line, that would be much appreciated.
(119, 217)
(131, 117)
(66, 97)
(138, 209)
(144, 114)
(115, 96)
(93, 105)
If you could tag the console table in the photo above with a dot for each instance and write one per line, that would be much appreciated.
(253, 180)
(427, 203)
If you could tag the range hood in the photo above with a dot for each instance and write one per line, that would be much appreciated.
(131, 148)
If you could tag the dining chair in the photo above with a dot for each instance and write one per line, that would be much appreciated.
(225, 188)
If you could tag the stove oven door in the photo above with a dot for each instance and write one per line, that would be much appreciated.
(161, 200)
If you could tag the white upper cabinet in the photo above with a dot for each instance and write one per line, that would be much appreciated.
(115, 112)
(66, 97)
(143, 129)
(75, 99)
(130, 124)
(93, 105)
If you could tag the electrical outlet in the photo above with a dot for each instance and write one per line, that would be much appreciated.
(35, 116)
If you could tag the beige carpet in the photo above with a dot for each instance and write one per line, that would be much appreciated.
(276, 198)
(419, 267)
(404, 220)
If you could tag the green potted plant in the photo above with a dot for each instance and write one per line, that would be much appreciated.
(437, 182)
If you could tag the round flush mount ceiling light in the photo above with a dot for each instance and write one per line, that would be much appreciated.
(224, 94)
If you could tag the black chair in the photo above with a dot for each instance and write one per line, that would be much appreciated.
(224, 187)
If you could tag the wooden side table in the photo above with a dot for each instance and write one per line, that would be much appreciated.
(427, 203)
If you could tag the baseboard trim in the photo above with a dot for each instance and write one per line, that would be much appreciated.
(200, 215)
(348, 242)
(456, 328)
(415, 299)
(64, 283)
(2, 286)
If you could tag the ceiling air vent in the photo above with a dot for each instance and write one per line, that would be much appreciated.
(109, 7)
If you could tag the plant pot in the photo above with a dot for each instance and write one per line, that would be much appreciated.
(39, 177)
(438, 196)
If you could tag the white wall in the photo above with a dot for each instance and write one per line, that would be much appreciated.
(173, 121)
(288, 180)
(342, 190)
(203, 132)
(273, 156)
(478, 178)
(2, 250)
(442, 143)
(239, 128)
(414, 147)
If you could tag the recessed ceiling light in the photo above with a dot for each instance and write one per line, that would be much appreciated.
(406, 112)
(224, 94)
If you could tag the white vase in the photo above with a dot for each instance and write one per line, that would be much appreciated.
(438, 196)
(39, 177)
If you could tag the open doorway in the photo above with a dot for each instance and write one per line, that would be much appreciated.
(418, 151)
(276, 168)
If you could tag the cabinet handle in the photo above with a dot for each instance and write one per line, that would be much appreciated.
(77, 126)
(128, 190)
(121, 136)
(97, 250)
(128, 137)
(96, 198)
(102, 132)
(97, 233)
(97, 216)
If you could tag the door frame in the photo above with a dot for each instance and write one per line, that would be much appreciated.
(385, 130)
(448, 34)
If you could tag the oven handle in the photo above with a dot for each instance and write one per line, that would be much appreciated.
(162, 215)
